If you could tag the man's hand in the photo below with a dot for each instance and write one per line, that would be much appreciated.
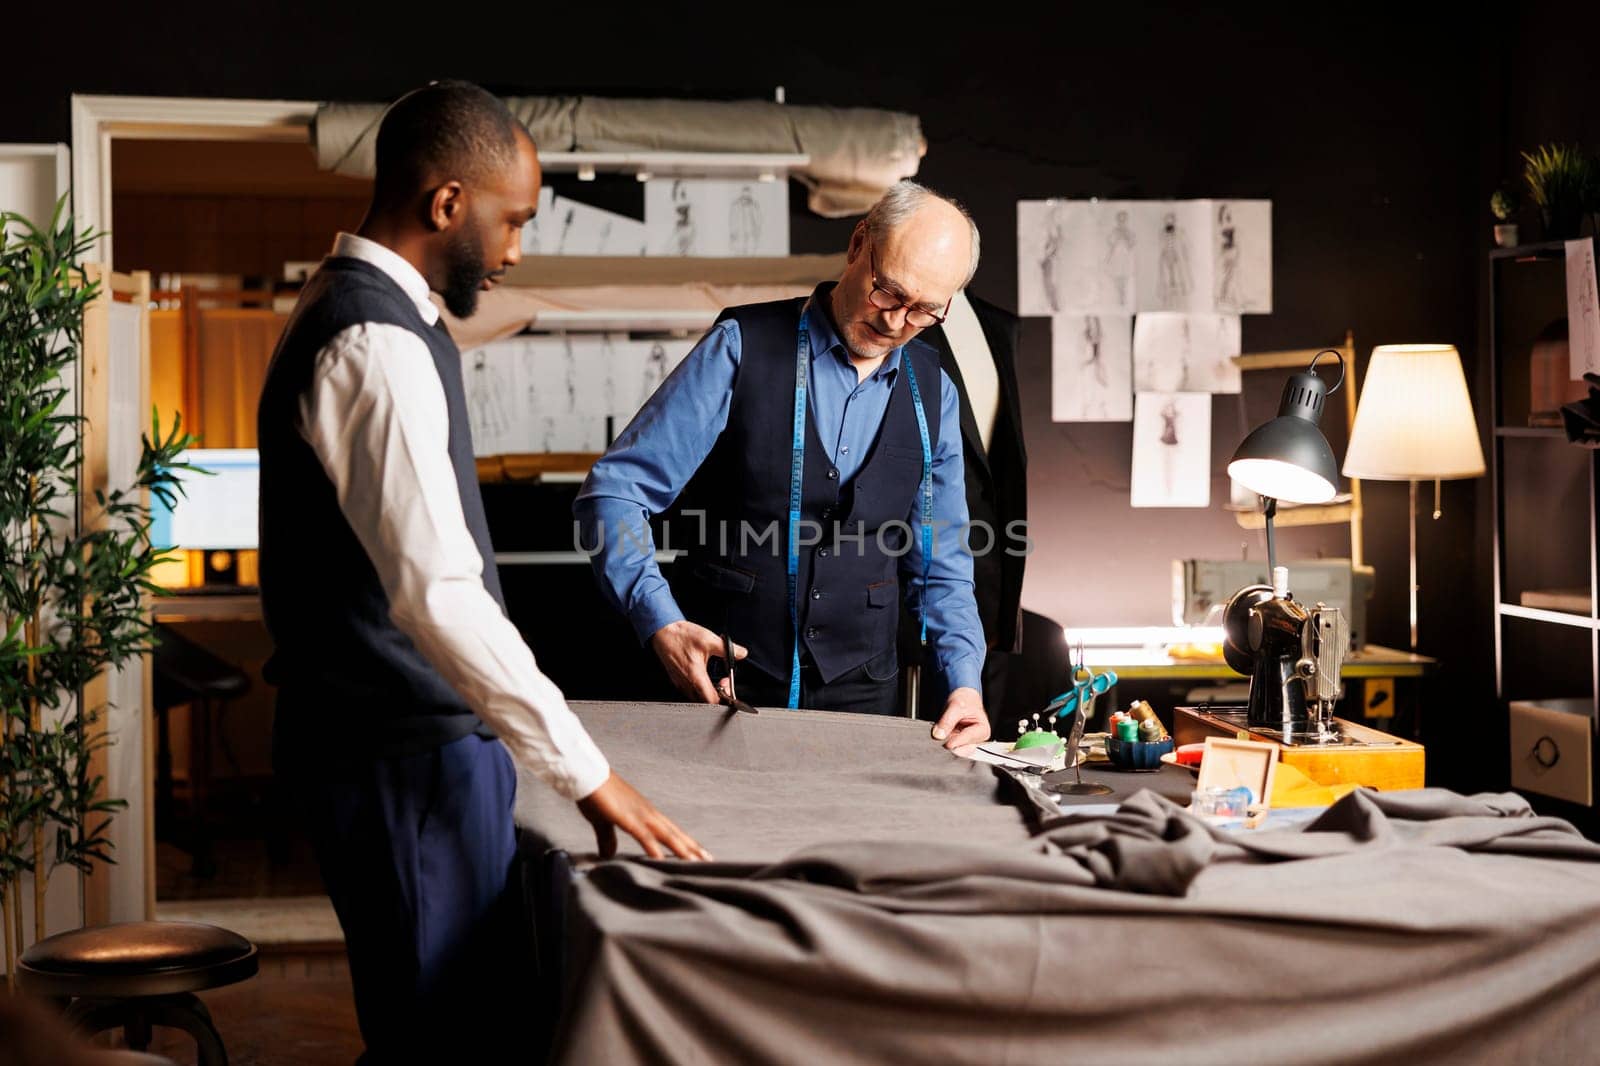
(684, 649)
(963, 720)
(618, 805)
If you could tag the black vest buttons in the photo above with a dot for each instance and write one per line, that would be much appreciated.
(833, 475)
(811, 632)
(823, 552)
(816, 594)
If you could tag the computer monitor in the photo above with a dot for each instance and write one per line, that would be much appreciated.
(216, 511)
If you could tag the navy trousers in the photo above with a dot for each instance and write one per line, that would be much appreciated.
(416, 853)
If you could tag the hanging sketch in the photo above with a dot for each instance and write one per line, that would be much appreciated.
(1583, 309)
(1092, 367)
(637, 369)
(1121, 256)
(576, 228)
(713, 217)
(1175, 352)
(488, 374)
(534, 232)
(1171, 450)
(1174, 267)
(1241, 240)
(1076, 256)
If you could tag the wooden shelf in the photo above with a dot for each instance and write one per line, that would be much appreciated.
(1327, 514)
(1537, 250)
(546, 468)
(561, 271)
(1541, 614)
(756, 166)
(1553, 432)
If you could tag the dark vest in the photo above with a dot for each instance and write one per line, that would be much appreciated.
(734, 578)
(350, 682)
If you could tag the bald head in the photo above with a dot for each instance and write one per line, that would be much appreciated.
(917, 249)
(909, 209)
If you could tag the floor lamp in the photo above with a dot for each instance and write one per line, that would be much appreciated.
(1414, 422)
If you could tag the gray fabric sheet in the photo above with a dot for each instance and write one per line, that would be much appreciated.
(855, 153)
(1398, 927)
(755, 789)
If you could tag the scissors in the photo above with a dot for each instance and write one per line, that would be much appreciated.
(730, 699)
(1083, 693)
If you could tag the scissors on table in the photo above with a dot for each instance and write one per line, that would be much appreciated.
(1086, 685)
(1083, 693)
(730, 699)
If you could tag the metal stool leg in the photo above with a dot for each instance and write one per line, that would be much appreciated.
(186, 1012)
(136, 1018)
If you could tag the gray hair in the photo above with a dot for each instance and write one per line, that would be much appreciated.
(901, 202)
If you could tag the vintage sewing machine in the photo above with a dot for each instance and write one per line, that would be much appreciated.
(1292, 654)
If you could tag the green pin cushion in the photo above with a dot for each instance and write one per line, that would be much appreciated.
(1036, 738)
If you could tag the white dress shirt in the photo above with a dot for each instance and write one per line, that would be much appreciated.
(376, 418)
(976, 362)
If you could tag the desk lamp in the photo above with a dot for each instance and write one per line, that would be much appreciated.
(1414, 422)
(1288, 458)
(1291, 654)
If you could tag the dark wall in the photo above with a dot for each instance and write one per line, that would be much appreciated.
(1373, 140)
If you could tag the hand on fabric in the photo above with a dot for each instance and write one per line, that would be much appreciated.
(963, 721)
(684, 649)
(618, 805)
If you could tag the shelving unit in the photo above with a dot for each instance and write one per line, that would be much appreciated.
(1546, 515)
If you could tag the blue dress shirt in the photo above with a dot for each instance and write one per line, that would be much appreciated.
(655, 456)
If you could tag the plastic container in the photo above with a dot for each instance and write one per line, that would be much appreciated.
(1137, 754)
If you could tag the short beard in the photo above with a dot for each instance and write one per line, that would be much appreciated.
(463, 274)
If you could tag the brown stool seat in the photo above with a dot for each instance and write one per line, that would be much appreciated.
(135, 975)
(136, 959)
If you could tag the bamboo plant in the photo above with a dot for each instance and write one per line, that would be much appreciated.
(74, 576)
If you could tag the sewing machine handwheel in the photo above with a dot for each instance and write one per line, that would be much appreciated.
(1236, 627)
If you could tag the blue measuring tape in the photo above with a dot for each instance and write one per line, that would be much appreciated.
(797, 462)
(927, 490)
(802, 364)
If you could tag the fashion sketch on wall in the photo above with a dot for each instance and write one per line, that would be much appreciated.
(1583, 309)
(1241, 236)
(1176, 273)
(1176, 352)
(534, 234)
(1171, 450)
(1076, 256)
(1091, 375)
(1134, 256)
(488, 375)
(713, 217)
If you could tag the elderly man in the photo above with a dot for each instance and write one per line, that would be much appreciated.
(814, 449)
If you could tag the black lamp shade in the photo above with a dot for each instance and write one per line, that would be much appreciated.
(1288, 458)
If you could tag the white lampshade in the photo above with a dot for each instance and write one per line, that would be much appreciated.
(1414, 420)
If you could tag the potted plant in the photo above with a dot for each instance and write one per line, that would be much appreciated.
(1504, 205)
(72, 594)
(1561, 182)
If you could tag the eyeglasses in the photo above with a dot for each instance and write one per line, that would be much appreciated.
(884, 300)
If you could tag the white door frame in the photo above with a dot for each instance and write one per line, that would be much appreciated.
(98, 119)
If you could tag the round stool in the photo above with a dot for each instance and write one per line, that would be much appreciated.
(135, 975)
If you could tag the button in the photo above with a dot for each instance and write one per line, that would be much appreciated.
(816, 594)
(845, 449)
(833, 475)
(827, 513)
(823, 552)
(811, 632)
